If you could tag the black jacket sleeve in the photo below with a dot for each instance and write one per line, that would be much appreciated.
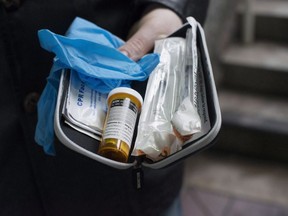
(177, 6)
(184, 8)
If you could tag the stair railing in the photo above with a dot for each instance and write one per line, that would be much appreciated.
(248, 22)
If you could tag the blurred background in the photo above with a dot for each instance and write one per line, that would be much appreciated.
(246, 172)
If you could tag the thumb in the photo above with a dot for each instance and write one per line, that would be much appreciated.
(139, 44)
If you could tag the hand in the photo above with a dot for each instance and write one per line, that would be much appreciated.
(157, 22)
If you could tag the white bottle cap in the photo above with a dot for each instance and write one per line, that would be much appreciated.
(127, 91)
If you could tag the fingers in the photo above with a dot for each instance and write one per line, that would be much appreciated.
(155, 24)
(138, 45)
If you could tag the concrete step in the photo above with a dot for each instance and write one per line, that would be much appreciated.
(270, 20)
(258, 67)
(254, 125)
(269, 8)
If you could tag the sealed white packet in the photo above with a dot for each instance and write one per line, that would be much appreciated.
(186, 120)
(85, 108)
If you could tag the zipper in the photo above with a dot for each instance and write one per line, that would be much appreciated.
(138, 174)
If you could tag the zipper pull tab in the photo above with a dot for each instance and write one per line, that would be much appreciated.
(138, 174)
(138, 177)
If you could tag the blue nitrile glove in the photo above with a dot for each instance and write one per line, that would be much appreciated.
(44, 135)
(92, 52)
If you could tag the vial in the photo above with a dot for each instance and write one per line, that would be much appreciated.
(124, 105)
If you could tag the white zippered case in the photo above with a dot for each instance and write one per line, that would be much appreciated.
(88, 146)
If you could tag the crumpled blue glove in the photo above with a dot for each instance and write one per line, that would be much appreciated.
(92, 52)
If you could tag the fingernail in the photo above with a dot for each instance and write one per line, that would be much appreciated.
(162, 36)
(124, 52)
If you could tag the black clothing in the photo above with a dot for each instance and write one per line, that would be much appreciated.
(32, 183)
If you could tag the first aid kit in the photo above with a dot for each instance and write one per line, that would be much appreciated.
(180, 114)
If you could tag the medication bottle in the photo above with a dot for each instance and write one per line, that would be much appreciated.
(124, 105)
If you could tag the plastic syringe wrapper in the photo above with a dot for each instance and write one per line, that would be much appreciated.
(168, 108)
(186, 120)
